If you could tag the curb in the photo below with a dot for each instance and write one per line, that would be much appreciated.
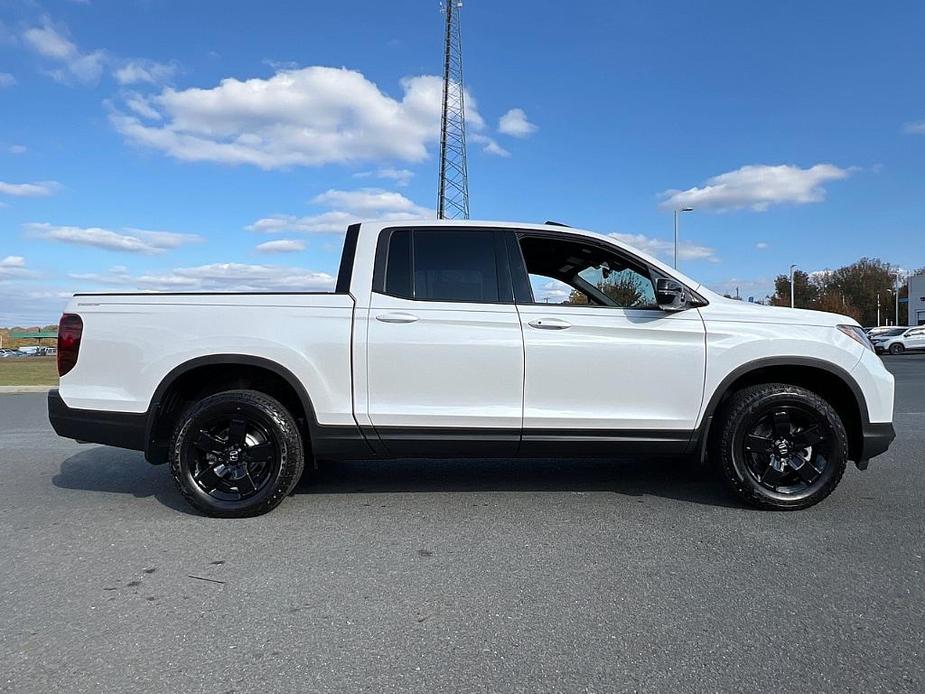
(13, 390)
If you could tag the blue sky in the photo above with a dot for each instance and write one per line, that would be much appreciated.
(216, 145)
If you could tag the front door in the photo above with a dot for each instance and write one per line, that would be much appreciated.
(605, 367)
(445, 358)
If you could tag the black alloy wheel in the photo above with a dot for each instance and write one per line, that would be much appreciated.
(780, 446)
(236, 453)
(232, 456)
(897, 348)
(787, 449)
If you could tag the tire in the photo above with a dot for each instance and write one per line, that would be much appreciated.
(235, 454)
(897, 348)
(760, 451)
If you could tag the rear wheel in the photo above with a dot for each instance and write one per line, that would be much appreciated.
(781, 446)
(237, 453)
(897, 348)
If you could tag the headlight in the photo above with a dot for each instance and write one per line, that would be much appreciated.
(857, 334)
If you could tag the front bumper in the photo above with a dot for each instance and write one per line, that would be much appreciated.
(120, 429)
(875, 439)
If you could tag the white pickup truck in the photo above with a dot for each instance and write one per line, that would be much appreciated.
(471, 339)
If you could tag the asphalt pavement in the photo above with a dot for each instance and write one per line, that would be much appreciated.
(445, 576)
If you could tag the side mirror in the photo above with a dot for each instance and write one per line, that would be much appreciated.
(670, 295)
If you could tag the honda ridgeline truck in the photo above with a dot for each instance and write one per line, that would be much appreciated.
(471, 339)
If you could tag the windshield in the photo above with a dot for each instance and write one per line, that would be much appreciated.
(891, 333)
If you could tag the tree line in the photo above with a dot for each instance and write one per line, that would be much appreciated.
(851, 290)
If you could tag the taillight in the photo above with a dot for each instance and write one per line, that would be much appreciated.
(69, 331)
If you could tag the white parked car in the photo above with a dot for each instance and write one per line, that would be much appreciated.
(871, 332)
(898, 340)
(472, 339)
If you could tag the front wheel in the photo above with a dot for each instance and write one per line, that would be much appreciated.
(780, 446)
(897, 348)
(237, 453)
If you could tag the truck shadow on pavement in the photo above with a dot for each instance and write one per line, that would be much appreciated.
(676, 479)
(113, 470)
(104, 469)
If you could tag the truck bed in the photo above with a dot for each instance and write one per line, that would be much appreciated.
(148, 334)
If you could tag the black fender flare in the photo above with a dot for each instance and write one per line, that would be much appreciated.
(155, 406)
(702, 433)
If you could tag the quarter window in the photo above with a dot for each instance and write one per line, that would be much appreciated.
(398, 276)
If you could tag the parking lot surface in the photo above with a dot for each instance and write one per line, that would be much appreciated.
(437, 576)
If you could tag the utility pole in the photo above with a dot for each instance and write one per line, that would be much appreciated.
(878, 308)
(792, 268)
(453, 192)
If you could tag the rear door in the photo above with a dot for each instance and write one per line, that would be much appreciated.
(604, 365)
(445, 360)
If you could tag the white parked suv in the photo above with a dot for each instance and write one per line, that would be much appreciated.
(898, 340)
(472, 339)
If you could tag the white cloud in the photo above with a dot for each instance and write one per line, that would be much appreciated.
(18, 149)
(326, 223)
(281, 246)
(140, 105)
(515, 123)
(757, 187)
(761, 245)
(146, 71)
(14, 267)
(75, 65)
(6, 80)
(917, 128)
(129, 240)
(348, 206)
(297, 117)
(71, 65)
(402, 177)
(27, 305)
(369, 201)
(665, 249)
(489, 145)
(30, 190)
(217, 277)
(550, 292)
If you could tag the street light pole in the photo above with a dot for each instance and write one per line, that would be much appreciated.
(677, 218)
(897, 301)
(878, 308)
(792, 304)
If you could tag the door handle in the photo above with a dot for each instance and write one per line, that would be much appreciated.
(550, 324)
(397, 317)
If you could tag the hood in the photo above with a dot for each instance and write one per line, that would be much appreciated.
(724, 309)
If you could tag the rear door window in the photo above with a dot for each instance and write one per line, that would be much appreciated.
(443, 265)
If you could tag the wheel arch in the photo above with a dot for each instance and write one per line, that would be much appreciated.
(196, 378)
(828, 380)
